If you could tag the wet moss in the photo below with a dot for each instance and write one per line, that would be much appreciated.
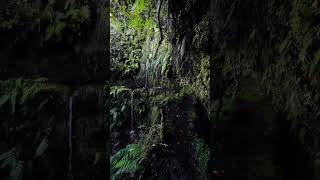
(202, 153)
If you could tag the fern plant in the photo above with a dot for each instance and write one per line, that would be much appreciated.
(18, 99)
(18, 91)
(203, 155)
(72, 18)
(126, 161)
(119, 105)
(11, 93)
(10, 159)
(42, 147)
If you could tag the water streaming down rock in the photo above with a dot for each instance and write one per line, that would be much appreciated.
(70, 175)
(132, 132)
(146, 75)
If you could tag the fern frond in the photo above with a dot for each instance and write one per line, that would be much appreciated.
(18, 82)
(43, 103)
(41, 148)
(127, 160)
(30, 92)
(4, 99)
(17, 171)
(10, 159)
(7, 154)
(13, 98)
(41, 80)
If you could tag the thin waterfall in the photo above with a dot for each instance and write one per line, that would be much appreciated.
(70, 138)
(146, 74)
(132, 116)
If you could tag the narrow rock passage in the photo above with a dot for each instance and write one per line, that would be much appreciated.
(174, 157)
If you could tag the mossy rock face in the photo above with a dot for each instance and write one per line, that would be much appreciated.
(200, 41)
(171, 141)
(171, 134)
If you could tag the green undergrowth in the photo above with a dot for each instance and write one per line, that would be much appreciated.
(57, 19)
(163, 127)
(120, 104)
(19, 92)
(126, 162)
(202, 153)
(25, 104)
(133, 29)
(160, 125)
(198, 82)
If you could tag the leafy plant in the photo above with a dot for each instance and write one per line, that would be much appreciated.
(10, 159)
(119, 104)
(131, 25)
(11, 95)
(202, 154)
(41, 148)
(18, 91)
(116, 91)
(21, 101)
(126, 161)
(72, 18)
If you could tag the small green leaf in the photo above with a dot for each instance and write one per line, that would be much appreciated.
(41, 148)
(4, 99)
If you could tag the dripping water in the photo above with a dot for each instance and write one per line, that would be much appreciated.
(132, 117)
(70, 138)
(146, 75)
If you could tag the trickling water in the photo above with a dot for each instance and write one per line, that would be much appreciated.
(146, 74)
(70, 138)
(132, 116)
